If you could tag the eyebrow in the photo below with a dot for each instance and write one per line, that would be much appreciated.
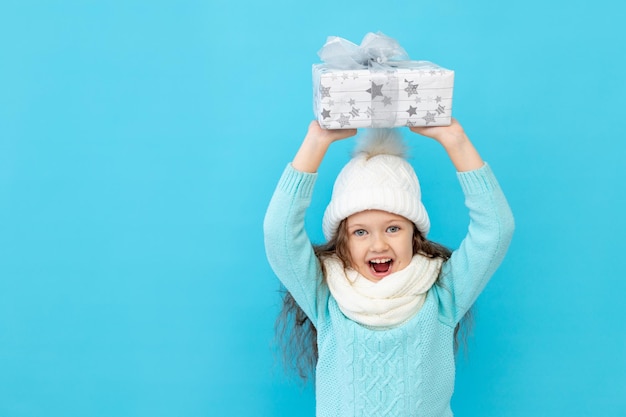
(356, 226)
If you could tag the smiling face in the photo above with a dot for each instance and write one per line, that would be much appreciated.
(379, 243)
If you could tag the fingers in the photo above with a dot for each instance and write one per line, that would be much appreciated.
(420, 130)
(330, 134)
(343, 133)
(437, 132)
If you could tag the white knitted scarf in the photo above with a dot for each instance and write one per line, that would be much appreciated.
(388, 302)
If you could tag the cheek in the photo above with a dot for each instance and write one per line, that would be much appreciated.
(408, 247)
(355, 251)
(352, 250)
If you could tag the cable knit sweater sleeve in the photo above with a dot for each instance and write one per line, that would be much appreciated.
(287, 244)
(490, 231)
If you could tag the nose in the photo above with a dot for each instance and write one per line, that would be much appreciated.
(379, 243)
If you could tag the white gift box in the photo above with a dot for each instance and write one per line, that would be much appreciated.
(400, 93)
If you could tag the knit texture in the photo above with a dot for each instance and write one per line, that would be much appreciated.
(386, 303)
(376, 182)
(408, 370)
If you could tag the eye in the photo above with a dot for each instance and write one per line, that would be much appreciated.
(393, 229)
(359, 232)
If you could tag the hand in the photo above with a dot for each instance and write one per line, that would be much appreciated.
(462, 153)
(315, 144)
(445, 135)
(328, 136)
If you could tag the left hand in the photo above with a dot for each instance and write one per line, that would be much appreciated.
(445, 135)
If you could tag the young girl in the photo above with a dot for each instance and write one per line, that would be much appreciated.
(384, 302)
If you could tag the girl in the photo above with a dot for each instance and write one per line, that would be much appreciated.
(384, 302)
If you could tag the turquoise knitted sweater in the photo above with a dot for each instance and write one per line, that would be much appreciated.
(408, 370)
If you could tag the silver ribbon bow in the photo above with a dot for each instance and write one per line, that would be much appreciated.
(375, 49)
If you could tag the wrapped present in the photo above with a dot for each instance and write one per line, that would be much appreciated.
(376, 85)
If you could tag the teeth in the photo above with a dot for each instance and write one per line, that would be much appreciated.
(380, 261)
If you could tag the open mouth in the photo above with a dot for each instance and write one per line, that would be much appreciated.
(381, 267)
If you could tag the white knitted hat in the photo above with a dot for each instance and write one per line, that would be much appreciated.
(378, 177)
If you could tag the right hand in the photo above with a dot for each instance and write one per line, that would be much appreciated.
(315, 144)
(328, 135)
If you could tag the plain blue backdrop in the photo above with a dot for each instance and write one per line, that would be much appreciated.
(140, 142)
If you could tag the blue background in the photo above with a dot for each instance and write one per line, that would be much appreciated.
(140, 142)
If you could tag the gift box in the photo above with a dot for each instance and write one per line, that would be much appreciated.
(376, 85)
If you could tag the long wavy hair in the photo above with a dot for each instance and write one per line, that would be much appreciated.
(296, 334)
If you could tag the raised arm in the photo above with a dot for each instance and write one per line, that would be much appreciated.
(289, 250)
(490, 230)
(314, 146)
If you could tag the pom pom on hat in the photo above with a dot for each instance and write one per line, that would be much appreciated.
(378, 177)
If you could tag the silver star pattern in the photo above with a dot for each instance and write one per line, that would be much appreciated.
(387, 101)
(412, 111)
(324, 91)
(441, 109)
(344, 120)
(429, 118)
(411, 88)
(352, 102)
(325, 113)
(355, 112)
(375, 90)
